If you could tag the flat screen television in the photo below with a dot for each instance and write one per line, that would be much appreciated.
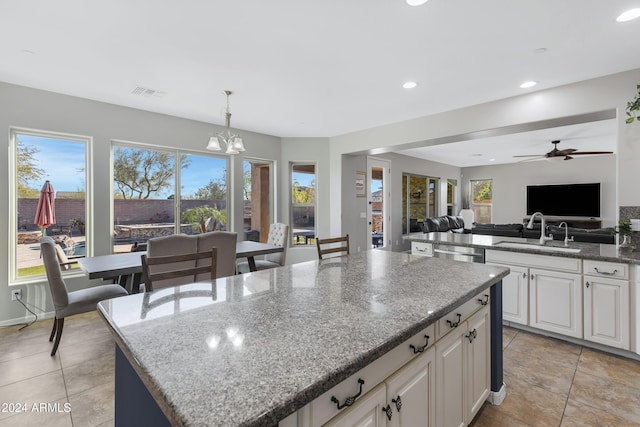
(564, 199)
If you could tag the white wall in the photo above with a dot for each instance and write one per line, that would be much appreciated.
(510, 182)
(605, 93)
(306, 150)
(47, 111)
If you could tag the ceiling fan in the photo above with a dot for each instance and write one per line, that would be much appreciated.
(567, 153)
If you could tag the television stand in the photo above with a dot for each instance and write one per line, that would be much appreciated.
(590, 223)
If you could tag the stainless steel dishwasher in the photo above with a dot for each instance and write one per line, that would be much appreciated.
(458, 253)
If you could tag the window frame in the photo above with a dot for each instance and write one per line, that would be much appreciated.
(292, 164)
(14, 131)
(177, 153)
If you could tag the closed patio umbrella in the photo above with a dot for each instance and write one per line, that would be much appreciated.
(46, 210)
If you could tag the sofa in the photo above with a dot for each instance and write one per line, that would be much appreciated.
(456, 224)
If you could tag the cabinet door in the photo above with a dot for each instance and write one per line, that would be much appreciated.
(478, 361)
(555, 302)
(413, 389)
(515, 295)
(606, 311)
(450, 382)
(366, 412)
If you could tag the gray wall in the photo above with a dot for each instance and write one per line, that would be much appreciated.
(510, 181)
(47, 111)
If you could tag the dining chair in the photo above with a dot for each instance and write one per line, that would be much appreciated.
(226, 242)
(161, 271)
(333, 245)
(68, 303)
(278, 236)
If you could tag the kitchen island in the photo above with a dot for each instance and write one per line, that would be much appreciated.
(253, 349)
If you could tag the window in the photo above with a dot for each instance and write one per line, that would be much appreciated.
(257, 196)
(153, 186)
(419, 201)
(62, 160)
(452, 188)
(481, 200)
(303, 203)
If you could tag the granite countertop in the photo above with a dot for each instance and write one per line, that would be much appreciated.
(593, 251)
(254, 348)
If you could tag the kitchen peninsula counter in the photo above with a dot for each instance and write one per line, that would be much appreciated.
(593, 251)
(252, 349)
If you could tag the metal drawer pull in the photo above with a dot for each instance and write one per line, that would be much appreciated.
(420, 349)
(388, 411)
(587, 284)
(398, 403)
(472, 335)
(524, 275)
(605, 272)
(349, 400)
(442, 251)
(485, 301)
(455, 324)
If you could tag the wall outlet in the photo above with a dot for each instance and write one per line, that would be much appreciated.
(16, 294)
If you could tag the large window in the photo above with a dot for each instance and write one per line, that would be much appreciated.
(419, 201)
(303, 203)
(481, 200)
(61, 160)
(153, 186)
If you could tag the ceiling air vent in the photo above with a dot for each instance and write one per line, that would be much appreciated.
(147, 92)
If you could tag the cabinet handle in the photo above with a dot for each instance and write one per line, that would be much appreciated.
(524, 275)
(455, 324)
(608, 273)
(533, 276)
(485, 301)
(471, 335)
(587, 284)
(349, 400)
(417, 350)
(398, 403)
(388, 411)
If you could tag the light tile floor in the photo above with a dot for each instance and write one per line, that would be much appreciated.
(549, 382)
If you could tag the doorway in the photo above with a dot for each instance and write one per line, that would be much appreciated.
(378, 202)
(258, 199)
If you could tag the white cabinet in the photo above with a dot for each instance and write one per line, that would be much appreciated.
(463, 371)
(515, 294)
(606, 304)
(411, 393)
(367, 412)
(422, 248)
(555, 302)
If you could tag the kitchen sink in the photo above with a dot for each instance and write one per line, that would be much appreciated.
(535, 247)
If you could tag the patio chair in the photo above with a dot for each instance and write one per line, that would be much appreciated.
(334, 245)
(278, 236)
(68, 303)
(163, 269)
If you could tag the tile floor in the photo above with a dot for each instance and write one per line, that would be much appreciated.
(549, 382)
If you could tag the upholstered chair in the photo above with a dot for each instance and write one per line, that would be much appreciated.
(279, 236)
(225, 242)
(68, 303)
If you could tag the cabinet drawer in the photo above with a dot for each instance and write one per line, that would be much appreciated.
(323, 409)
(457, 316)
(556, 263)
(422, 248)
(614, 270)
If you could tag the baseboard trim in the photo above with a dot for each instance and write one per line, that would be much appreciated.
(24, 320)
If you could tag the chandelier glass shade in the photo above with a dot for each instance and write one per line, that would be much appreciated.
(232, 142)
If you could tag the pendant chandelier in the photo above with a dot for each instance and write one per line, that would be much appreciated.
(232, 142)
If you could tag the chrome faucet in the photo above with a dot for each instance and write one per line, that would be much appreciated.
(543, 226)
(566, 234)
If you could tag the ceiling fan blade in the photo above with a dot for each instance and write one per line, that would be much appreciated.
(591, 152)
(568, 158)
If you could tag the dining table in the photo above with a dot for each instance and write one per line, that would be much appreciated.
(126, 268)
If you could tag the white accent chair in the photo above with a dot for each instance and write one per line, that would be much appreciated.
(279, 236)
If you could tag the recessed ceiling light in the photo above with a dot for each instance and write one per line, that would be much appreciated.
(409, 85)
(629, 15)
(416, 2)
(528, 84)
(492, 160)
(540, 50)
